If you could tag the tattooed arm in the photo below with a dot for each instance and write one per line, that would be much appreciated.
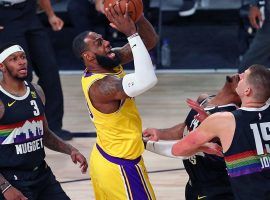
(54, 143)
(148, 35)
(107, 89)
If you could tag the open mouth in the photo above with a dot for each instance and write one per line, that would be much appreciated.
(111, 55)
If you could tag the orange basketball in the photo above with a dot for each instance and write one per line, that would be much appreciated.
(135, 7)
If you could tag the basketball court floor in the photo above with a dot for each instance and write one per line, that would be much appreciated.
(161, 107)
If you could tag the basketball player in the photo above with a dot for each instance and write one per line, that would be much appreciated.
(117, 168)
(24, 132)
(207, 173)
(244, 135)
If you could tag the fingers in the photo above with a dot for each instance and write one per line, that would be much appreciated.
(1, 27)
(126, 11)
(254, 23)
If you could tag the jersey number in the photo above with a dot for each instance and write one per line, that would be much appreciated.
(264, 128)
(36, 110)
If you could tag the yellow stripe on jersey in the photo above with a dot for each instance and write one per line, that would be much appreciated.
(119, 134)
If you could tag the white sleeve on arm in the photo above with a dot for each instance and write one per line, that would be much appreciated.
(144, 76)
(163, 148)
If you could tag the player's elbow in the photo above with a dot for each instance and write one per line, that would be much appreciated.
(153, 43)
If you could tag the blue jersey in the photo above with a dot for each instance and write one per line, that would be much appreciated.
(21, 130)
(248, 158)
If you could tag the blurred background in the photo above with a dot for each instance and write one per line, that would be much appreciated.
(215, 36)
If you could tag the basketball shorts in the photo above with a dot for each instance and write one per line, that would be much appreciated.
(208, 192)
(119, 179)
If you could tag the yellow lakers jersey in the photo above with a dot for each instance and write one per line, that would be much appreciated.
(119, 134)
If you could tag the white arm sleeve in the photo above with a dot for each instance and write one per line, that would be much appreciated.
(144, 76)
(163, 148)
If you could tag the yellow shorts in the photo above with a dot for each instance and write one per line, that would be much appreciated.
(119, 179)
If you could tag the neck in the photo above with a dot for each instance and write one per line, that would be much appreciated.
(251, 103)
(225, 96)
(95, 68)
(16, 87)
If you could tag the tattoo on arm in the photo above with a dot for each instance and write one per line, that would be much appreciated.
(54, 143)
(108, 89)
(2, 179)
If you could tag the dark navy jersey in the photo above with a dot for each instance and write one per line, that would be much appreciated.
(248, 158)
(21, 130)
(204, 169)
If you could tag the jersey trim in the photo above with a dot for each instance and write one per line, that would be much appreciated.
(221, 106)
(255, 109)
(15, 97)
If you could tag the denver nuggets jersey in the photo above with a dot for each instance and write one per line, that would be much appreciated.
(248, 158)
(119, 134)
(203, 168)
(21, 130)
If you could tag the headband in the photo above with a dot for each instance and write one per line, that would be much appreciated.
(7, 52)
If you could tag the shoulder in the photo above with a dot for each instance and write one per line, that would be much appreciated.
(107, 89)
(221, 116)
(39, 91)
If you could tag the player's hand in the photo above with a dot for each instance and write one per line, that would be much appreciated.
(119, 21)
(1, 28)
(212, 148)
(202, 115)
(152, 134)
(255, 17)
(14, 194)
(76, 156)
(56, 23)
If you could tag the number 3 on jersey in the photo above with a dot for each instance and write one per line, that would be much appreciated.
(36, 110)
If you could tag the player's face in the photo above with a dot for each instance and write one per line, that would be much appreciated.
(102, 51)
(233, 80)
(15, 66)
(243, 85)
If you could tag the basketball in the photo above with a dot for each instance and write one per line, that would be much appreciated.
(135, 7)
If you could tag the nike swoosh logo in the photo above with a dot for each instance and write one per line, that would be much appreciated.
(202, 197)
(10, 104)
(134, 46)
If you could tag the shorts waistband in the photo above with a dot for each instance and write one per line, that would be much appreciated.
(116, 160)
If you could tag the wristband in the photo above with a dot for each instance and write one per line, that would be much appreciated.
(5, 186)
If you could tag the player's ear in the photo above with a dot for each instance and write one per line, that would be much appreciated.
(2, 67)
(248, 91)
(88, 56)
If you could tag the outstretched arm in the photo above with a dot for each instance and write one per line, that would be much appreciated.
(134, 84)
(54, 143)
(173, 133)
(148, 35)
(219, 125)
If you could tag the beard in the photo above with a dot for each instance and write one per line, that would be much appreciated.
(107, 62)
(16, 77)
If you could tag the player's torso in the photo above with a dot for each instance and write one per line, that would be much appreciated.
(119, 133)
(205, 168)
(21, 130)
(248, 158)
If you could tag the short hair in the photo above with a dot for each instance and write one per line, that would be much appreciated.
(78, 45)
(259, 77)
(6, 45)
